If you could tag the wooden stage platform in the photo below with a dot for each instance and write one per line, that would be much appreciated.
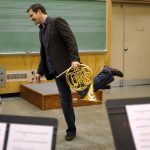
(45, 96)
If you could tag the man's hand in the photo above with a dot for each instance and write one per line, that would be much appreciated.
(75, 64)
(37, 78)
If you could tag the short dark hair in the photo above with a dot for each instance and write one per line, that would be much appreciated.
(36, 7)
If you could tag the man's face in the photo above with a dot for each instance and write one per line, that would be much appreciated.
(35, 16)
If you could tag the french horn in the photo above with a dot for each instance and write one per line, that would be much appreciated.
(80, 79)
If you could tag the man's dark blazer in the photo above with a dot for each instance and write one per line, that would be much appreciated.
(61, 46)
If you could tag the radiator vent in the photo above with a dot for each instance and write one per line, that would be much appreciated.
(22, 75)
(17, 76)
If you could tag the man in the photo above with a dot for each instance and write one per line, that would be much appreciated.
(58, 52)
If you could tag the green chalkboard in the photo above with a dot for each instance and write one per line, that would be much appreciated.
(87, 19)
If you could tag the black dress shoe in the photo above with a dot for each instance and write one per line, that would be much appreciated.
(115, 72)
(70, 136)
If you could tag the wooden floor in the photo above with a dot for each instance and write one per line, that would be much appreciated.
(93, 128)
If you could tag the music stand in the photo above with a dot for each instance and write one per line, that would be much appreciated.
(119, 121)
(28, 120)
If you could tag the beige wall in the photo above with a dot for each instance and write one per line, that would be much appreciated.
(95, 61)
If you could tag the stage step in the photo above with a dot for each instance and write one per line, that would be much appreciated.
(45, 96)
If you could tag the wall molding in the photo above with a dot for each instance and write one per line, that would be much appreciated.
(121, 83)
(132, 1)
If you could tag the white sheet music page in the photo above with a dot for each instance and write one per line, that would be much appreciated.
(2, 134)
(29, 137)
(139, 120)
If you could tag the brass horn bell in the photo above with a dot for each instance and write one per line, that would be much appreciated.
(80, 79)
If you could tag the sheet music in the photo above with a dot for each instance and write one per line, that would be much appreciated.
(29, 137)
(139, 120)
(2, 134)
